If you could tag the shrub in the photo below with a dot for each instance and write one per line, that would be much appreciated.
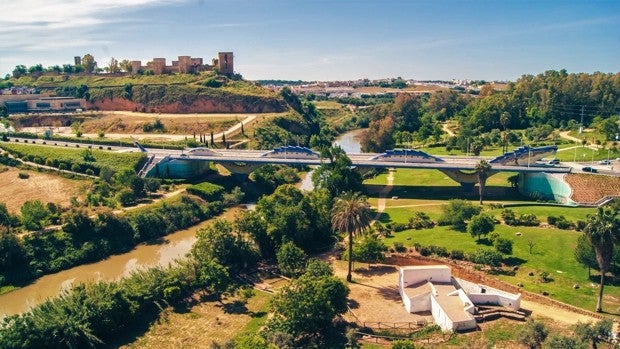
(420, 220)
(560, 222)
(485, 256)
(207, 191)
(438, 251)
(397, 227)
(424, 251)
(23, 175)
(503, 245)
(399, 247)
(457, 254)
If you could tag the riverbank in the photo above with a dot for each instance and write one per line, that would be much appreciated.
(162, 252)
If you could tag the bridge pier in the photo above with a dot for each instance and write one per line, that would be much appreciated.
(467, 180)
(238, 168)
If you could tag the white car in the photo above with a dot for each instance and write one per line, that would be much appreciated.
(604, 162)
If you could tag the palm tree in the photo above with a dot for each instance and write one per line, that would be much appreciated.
(351, 214)
(603, 231)
(482, 169)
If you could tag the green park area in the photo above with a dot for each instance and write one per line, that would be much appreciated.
(542, 260)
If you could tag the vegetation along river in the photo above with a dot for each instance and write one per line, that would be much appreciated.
(170, 248)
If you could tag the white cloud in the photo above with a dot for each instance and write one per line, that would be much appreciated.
(30, 25)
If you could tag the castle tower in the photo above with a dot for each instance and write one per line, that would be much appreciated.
(225, 63)
(135, 67)
(77, 60)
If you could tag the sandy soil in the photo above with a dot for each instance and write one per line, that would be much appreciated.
(39, 186)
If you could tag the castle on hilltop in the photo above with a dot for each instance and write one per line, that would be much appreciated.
(186, 65)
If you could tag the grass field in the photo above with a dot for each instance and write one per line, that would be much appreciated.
(552, 251)
(116, 161)
(585, 154)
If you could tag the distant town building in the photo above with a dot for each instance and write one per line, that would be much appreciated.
(44, 105)
(186, 65)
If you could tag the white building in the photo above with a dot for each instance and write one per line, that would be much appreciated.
(450, 300)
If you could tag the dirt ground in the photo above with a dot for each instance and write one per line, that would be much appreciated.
(39, 186)
(375, 298)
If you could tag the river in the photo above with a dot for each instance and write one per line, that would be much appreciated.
(173, 247)
(349, 142)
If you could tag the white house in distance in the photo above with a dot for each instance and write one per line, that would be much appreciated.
(450, 300)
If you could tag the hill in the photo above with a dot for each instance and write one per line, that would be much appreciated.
(167, 93)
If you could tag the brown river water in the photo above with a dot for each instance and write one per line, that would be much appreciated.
(171, 248)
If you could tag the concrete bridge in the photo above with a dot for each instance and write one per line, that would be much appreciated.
(194, 162)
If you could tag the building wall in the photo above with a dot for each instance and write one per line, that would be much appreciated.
(547, 186)
(413, 275)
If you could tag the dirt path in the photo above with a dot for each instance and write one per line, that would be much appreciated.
(382, 195)
(556, 313)
(565, 135)
(446, 128)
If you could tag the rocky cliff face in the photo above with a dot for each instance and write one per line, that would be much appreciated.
(239, 104)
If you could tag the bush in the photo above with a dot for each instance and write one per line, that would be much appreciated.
(438, 251)
(23, 175)
(420, 220)
(560, 222)
(207, 191)
(485, 256)
(525, 219)
(399, 247)
(503, 245)
(424, 251)
(457, 254)
(397, 227)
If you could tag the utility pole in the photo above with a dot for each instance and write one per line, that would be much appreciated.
(581, 124)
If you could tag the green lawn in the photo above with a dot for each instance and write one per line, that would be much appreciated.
(428, 190)
(584, 154)
(117, 161)
(552, 253)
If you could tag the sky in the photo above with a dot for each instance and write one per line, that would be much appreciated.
(323, 39)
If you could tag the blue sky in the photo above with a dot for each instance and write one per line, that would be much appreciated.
(323, 39)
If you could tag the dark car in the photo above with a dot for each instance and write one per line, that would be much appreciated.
(589, 169)
(554, 162)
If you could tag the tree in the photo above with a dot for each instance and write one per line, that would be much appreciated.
(532, 334)
(34, 214)
(291, 260)
(603, 231)
(351, 214)
(218, 242)
(88, 63)
(5, 217)
(337, 176)
(307, 306)
(113, 66)
(482, 170)
(19, 71)
(456, 212)
(564, 342)
(369, 249)
(479, 225)
(125, 65)
(594, 333)
(585, 255)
